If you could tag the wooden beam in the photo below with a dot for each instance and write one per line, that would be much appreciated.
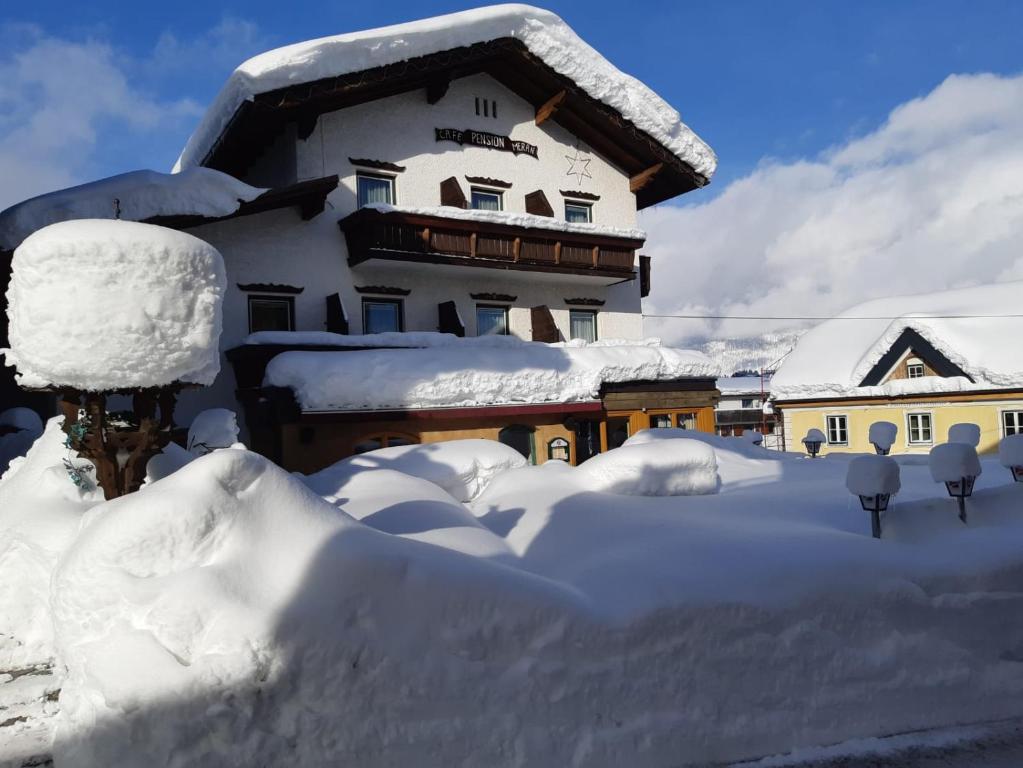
(546, 110)
(641, 179)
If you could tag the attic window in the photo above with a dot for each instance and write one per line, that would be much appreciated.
(914, 368)
(486, 107)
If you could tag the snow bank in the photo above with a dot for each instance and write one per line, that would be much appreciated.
(883, 434)
(98, 305)
(474, 372)
(1010, 451)
(141, 195)
(832, 359)
(951, 462)
(872, 475)
(462, 468)
(662, 468)
(544, 34)
(968, 434)
(212, 429)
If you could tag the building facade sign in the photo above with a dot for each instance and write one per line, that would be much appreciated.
(486, 140)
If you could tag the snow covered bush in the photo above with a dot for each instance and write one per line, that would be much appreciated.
(212, 429)
(678, 467)
(882, 436)
(968, 434)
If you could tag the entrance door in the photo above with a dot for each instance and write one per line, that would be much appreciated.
(521, 439)
(587, 440)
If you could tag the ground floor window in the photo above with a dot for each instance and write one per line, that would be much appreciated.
(661, 421)
(617, 432)
(582, 324)
(1012, 423)
(521, 438)
(491, 321)
(838, 430)
(919, 427)
(383, 440)
(271, 313)
(382, 315)
(686, 420)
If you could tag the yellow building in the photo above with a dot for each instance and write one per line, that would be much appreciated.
(923, 363)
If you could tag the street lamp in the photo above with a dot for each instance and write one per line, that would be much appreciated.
(875, 479)
(813, 441)
(957, 466)
(1010, 454)
(882, 436)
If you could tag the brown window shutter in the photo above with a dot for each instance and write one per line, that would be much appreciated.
(644, 275)
(451, 194)
(336, 320)
(449, 320)
(536, 204)
(544, 328)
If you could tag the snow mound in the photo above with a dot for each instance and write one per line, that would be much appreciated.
(952, 462)
(212, 429)
(544, 34)
(969, 434)
(101, 305)
(872, 475)
(463, 468)
(883, 434)
(475, 372)
(734, 446)
(677, 467)
(140, 195)
(1010, 451)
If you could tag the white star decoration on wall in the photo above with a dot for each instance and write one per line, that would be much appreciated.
(578, 166)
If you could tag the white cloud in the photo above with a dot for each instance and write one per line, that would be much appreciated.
(222, 47)
(930, 200)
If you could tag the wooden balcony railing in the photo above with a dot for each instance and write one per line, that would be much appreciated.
(372, 234)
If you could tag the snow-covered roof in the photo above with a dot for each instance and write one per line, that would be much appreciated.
(978, 329)
(140, 195)
(102, 305)
(543, 33)
(482, 371)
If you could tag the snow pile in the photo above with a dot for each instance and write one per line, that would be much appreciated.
(544, 34)
(1010, 451)
(968, 434)
(463, 468)
(968, 326)
(140, 195)
(100, 305)
(951, 462)
(676, 467)
(474, 372)
(883, 434)
(873, 475)
(212, 429)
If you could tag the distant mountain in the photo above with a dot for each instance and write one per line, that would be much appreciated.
(751, 353)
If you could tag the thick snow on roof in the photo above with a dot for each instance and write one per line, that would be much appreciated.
(475, 372)
(99, 305)
(545, 35)
(140, 194)
(833, 358)
(743, 385)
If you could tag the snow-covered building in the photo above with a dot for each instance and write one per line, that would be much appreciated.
(742, 405)
(923, 363)
(476, 174)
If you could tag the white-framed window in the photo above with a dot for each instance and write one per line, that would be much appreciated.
(580, 213)
(582, 324)
(660, 421)
(374, 188)
(749, 402)
(271, 313)
(686, 420)
(491, 320)
(1012, 423)
(838, 430)
(919, 428)
(383, 315)
(915, 370)
(487, 199)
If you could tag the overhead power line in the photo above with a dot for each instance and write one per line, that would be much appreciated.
(827, 317)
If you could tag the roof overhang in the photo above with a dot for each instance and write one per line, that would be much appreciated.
(912, 340)
(656, 173)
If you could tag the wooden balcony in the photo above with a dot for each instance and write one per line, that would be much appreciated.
(402, 236)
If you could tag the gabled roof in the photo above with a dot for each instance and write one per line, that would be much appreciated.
(971, 335)
(530, 51)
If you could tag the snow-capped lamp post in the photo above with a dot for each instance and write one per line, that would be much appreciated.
(813, 441)
(966, 433)
(875, 479)
(957, 466)
(107, 307)
(1010, 454)
(882, 436)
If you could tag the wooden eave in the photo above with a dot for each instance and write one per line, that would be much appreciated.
(309, 196)
(257, 123)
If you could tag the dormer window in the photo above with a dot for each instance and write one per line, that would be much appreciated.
(914, 368)
(487, 199)
(374, 189)
(486, 107)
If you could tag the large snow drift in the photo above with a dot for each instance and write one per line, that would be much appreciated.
(969, 326)
(99, 305)
(489, 370)
(140, 195)
(545, 35)
(676, 467)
